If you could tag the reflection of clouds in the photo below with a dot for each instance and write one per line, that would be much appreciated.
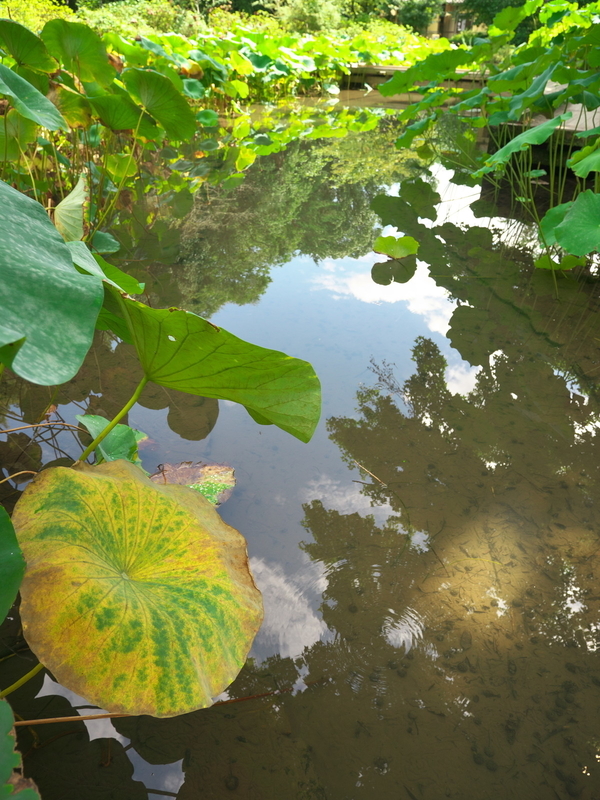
(290, 623)
(421, 294)
(346, 498)
(162, 777)
(404, 632)
(461, 378)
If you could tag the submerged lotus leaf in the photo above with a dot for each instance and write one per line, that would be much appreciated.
(214, 481)
(137, 596)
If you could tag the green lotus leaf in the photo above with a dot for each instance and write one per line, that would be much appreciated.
(12, 782)
(29, 102)
(79, 49)
(25, 47)
(579, 232)
(550, 221)
(16, 132)
(96, 265)
(12, 564)
(68, 214)
(137, 596)
(119, 113)
(180, 350)
(43, 299)
(74, 107)
(121, 442)
(162, 101)
(396, 248)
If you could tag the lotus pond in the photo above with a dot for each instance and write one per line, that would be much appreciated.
(428, 561)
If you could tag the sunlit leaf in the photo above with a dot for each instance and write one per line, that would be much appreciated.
(137, 596)
(213, 481)
(96, 265)
(29, 102)
(12, 564)
(42, 296)
(74, 107)
(12, 782)
(68, 214)
(396, 248)
(79, 49)
(207, 117)
(25, 47)
(180, 350)
(161, 100)
(119, 113)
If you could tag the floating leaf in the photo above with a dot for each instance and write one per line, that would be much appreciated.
(213, 481)
(12, 782)
(161, 100)
(42, 296)
(25, 47)
(394, 271)
(29, 102)
(121, 442)
(180, 350)
(79, 49)
(579, 232)
(396, 248)
(12, 564)
(137, 596)
(68, 214)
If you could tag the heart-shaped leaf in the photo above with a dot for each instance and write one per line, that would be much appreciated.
(180, 350)
(25, 47)
(79, 49)
(121, 442)
(12, 564)
(161, 100)
(137, 596)
(43, 299)
(29, 102)
(396, 248)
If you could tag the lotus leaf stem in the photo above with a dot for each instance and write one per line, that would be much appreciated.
(17, 684)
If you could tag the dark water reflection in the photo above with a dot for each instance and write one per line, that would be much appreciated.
(429, 561)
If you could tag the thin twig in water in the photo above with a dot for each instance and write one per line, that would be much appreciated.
(16, 474)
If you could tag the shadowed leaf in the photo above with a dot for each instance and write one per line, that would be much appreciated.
(213, 481)
(12, 564)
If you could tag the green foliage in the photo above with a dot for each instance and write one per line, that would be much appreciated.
(12, 565)
(12, 785)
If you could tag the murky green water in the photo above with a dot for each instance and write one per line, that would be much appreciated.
(429, 562)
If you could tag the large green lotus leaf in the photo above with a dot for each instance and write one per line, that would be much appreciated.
(42, 296)
(161, 100)
(180, 350)
(536, 135)
(579, 232)
(16, 132)
(79, 49)
(29, 102)
(12, 782)
(137, 596)
(119, 113)
(550, 222)
(25, 47)
(12, 564)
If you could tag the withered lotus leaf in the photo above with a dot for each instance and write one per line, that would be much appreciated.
(137, 595)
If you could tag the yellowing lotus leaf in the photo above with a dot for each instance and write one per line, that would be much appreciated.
(137, 595)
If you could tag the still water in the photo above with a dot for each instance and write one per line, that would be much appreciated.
(429, 561)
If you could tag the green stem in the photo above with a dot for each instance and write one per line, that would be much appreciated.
(128, 405)
(17, 684)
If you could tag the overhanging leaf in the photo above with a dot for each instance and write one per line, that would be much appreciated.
(68, 214)
(16, 132)
(215, 482)
(12, 564)
(161, 100)
(12, 783)
(29, 102)
(579, 232)
(180, 350)
(119, 113)
(25, 47)
(550, 222)
(137, 596)
(96, 265)
(79, 49)
(42, 296)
